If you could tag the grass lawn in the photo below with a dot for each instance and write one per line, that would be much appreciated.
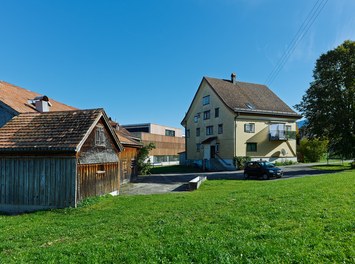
(174, 169)
(334, 167)
(301, 220)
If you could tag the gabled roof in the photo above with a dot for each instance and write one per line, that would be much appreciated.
(127, 140)
(251, 98)
(16, 98)
(64, 131)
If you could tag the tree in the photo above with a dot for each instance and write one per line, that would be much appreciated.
(311, 150)
(329, 102)
(143, 163)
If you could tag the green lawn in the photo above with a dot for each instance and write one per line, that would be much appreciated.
(302, 220)
(334, 167)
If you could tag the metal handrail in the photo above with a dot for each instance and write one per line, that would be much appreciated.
(220, 158)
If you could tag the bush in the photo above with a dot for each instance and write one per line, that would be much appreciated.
(311, 150)
(239, 162)
(284, 163)
(143, 163)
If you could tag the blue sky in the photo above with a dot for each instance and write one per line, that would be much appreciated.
(143, 60)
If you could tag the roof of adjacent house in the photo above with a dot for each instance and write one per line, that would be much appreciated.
(17, 99)
(127, 139)
(250, 98)
(63, 131)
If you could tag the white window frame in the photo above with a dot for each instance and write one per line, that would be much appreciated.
(249, 128)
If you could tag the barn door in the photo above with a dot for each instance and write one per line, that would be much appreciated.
(97, 179)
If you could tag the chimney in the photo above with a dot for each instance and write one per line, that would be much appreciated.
(234, 78)
(41, 103)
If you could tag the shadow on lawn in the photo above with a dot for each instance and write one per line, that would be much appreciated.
(290, 172)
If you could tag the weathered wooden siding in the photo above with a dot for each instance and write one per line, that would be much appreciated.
(90, 153)
(31, 183)
(97, 179)
(128, 164)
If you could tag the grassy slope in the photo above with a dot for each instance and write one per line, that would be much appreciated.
(309, 220)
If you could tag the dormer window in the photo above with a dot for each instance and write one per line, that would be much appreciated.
(206, 100)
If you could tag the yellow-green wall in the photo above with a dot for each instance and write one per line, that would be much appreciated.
(226, 117)
(265, 147)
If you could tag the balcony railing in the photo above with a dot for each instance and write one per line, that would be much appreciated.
(281, 135)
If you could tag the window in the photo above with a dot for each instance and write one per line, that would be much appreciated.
(196, 117)
(187, 133)
(251, 147)
(217, 148)
(216, 112)
(209, 130)
(198, 147)
(99, 136)
(170, 133)
(206, 115)
(206, 100)
(220, 129)
(197, 132)
(249, 128)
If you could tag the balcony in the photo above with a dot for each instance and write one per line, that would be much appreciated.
(281, 132)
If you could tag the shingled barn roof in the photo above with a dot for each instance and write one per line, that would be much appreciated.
(63, 131)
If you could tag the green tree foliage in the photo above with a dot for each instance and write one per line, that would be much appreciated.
(143, 163)
(311, 150)
(329, 102)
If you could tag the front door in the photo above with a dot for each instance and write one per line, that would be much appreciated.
(213, 152)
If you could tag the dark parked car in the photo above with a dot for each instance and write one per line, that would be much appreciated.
(261, 169)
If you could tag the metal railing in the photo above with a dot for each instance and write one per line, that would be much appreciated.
(281, 135)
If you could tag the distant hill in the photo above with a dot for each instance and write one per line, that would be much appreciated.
(301, 123)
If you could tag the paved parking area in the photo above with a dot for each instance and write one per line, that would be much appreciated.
(165, 183)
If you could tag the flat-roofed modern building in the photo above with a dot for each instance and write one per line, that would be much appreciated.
(168, 141)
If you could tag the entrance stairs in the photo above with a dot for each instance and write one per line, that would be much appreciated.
(217, 164)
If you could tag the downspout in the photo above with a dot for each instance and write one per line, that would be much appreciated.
(235, 135)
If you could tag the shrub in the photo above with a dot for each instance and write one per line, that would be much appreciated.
(239, 162)
(312, 149)
(286, 162)
(143, 163)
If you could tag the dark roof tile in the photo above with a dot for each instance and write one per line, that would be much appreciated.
(249, 97)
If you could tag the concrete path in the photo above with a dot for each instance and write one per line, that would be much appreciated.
(165, 183)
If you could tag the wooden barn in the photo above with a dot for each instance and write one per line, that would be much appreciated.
(128, 157)
(56, 159)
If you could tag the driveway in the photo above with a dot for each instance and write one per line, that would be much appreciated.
(164, 183)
